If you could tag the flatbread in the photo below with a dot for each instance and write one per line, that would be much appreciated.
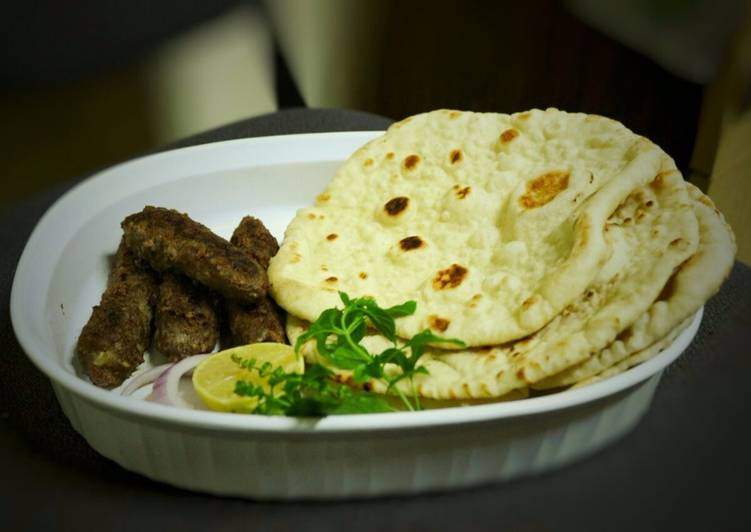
(693, 283)
(635, 358)
(647, 237)
(492, 223)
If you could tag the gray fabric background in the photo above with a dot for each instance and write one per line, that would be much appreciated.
(685, 466)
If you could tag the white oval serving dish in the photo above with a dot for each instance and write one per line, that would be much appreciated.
(63, 271)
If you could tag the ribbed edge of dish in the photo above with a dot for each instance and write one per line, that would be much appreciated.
(280, 466)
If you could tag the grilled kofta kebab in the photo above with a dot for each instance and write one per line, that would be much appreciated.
(262, 321)
(186, 320)
(114, 339)
(171, 242)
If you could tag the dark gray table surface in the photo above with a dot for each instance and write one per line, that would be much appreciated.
(685, 466)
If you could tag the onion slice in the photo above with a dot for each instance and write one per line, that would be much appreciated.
(166, 387)
(141, 380)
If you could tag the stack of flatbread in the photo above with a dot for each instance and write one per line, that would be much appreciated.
(560, 247)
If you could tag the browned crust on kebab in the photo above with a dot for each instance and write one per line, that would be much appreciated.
(113, 341)
(262, 322)
(259, 323)
(171, 241)
(253, 238)
(186, 320)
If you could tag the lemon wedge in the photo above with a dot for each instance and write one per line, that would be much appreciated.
(214, 379)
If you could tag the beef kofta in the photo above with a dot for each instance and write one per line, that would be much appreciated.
(113, 341)
(171, 242)
(186, 321)
(263, 321)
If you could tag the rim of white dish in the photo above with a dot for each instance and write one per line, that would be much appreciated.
(257, 423)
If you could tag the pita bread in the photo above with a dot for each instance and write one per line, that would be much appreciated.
(492, 223)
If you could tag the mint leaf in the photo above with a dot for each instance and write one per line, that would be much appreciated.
(419, 341)
(405, 309)
(345, 358)
(338, 333)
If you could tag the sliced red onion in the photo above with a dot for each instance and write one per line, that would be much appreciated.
(141, 380)
(166, 387)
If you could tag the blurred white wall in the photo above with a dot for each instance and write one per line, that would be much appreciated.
(329, 46)
(219, 72)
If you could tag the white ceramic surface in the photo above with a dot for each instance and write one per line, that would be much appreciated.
(62, 273)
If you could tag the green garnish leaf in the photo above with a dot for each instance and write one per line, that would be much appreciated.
(337, 334)
(405, 309)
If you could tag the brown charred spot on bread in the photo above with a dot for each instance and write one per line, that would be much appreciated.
(331, 279)
(659, 181)
(296, 257)
(509, 135)
(627, 220)
(706, 201)
(462, 192)
(591, 178)
(520, 375)
(454, 114)
(451, 277)
(455, 156)
(332, 236)
(529, 302)
(499, 375)
(323, 197)
(411, 242)
(523, 116)
(676, 242)
(396, 206)
(311, 216)
(544, 188)
(438, 323)
(390, 155)
(472, 303)
(363, 275)
(324, 268)
(368, 162)
(410, 161)
(583, 226)
(649, 203)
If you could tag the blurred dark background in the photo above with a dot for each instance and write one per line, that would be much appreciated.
(86, 84)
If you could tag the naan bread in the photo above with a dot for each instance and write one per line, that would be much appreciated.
(650, 233)
(635, 358)
(695, 281)
(492, 223)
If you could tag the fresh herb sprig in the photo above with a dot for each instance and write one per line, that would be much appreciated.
(338, 333)
(310, 394)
